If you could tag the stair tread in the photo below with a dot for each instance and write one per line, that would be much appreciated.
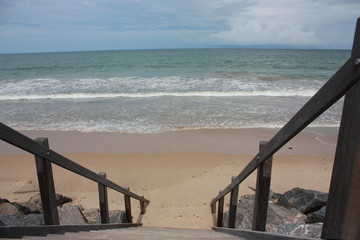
(141, 233)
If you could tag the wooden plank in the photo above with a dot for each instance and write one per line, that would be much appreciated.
(342, 218)
(255, 235)
(220, 215)
(19, 140)
(127, 201)
(332, 91)
(262, 193)
(233, 206)
(103, 201)
(46, 186)
(43, 230)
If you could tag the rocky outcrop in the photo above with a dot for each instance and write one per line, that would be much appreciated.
(290, 213)
(276, 214)
(30, 213)
(306, 201)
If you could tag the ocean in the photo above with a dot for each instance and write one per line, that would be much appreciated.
(147, 91)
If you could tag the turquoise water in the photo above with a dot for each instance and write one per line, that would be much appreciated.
(163, 90)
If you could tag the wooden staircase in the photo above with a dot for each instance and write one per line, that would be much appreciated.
(141, 233)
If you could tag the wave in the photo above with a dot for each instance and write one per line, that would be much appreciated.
(282, 93)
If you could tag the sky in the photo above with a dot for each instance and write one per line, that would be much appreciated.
(79, 25)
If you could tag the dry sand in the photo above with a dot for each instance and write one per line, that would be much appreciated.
(179, 172)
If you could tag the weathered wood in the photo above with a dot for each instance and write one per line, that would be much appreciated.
(220, 214)
(127, 201)
(19, 140)
(142, 208)
(233, 205)
(103, 201)
(262, 193)
(42, 230)
(332, 91)
(342, 218)
(213, 214)
(256, 235)
(46, 186)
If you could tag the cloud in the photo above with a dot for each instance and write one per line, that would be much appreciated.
(42, 25)
(291, 23)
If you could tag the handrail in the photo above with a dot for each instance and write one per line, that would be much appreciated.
(19, 140)
(332, 91)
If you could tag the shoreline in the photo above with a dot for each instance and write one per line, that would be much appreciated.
(179, 172)
(227, 141)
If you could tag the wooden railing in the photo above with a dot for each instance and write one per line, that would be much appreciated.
(44, 157)
(343, 213)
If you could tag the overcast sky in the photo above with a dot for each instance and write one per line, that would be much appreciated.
(71, 25)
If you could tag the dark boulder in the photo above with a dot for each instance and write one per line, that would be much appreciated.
(3, 200)
(276, 214)
(306, 201)
(316, 217)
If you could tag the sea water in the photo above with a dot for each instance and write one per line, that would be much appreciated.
(163, 90)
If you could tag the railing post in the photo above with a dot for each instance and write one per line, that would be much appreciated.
(233, 205)
(262, 192)
(142, 207)
(103, 200)
(127, 201)
(46, 186)
(220, 212)
(342, 216)
(213, 213)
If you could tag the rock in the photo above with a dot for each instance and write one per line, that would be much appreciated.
(32, 207)
(2, 224)
(92, 215)
(308, 230)
(296, 229)
(317, 216)
(306, 201)
(282, 228)
(22, 220)
(7, 208)
(71, 215)
(3, 200)
(61, 199)
(117, 216)
(23, 209)
(276, 214)
(35, 200)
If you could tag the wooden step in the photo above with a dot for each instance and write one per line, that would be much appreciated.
(141, 233)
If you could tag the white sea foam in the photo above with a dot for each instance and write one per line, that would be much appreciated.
(307, 93)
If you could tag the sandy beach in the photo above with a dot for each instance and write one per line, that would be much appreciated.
(179, 172)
